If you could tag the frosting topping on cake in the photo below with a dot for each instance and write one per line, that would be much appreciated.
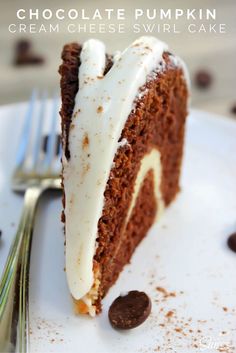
(102, 106)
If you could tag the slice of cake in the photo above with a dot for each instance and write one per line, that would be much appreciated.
(123, 120)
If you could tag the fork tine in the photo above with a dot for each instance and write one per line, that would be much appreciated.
(38, 141)
(60, 150)
(51, 145)
(25, 135)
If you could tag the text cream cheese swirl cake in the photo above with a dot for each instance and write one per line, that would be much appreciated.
(123, 121)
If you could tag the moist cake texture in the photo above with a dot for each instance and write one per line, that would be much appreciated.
(123, 121)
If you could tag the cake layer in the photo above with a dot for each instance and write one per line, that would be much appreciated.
(123, 148)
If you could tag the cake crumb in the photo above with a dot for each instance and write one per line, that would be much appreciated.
(165, 293)
(169, 314)
(162, 290)
(178, 329)
(99, 109)
(85, 142)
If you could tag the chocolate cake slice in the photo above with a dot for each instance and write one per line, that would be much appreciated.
(123, 120)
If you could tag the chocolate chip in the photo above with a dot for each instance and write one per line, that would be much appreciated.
(232, 242)
(58, 142)
(24, 54)
(23, 46)
(203, 79)
(233, 109)
(130, 310)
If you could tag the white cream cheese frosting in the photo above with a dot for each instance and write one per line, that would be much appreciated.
(102, 106)
(151, 161)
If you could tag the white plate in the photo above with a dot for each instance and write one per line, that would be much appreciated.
(185, 253)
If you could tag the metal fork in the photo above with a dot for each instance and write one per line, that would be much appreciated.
(35, 172)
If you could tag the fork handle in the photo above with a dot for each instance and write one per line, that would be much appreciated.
(14, 285)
